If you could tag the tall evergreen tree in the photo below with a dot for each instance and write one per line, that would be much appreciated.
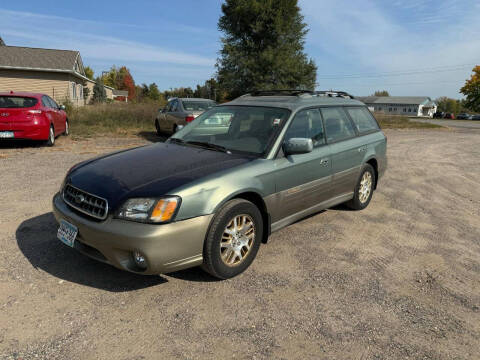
(263, 47)
(99, 93)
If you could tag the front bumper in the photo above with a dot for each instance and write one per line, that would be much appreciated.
(167, 247)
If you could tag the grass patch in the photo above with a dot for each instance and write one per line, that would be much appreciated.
(116, 118)
(402, 122)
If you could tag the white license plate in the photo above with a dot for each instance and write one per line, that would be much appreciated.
(67, 233)
(6, 134)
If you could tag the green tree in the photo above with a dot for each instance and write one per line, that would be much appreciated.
(153, 92)
(471, 90)
(99, 93)
(381, 93)
(263, 47)
(449, 105)
(89, 72)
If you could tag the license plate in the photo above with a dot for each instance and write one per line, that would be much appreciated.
(67, 233)
(6, 134)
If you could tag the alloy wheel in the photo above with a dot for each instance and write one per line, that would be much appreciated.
(237, 240)
(365, 187)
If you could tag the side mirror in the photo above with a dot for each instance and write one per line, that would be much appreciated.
(297, 146)
(62, 107)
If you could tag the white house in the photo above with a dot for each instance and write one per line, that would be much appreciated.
(401, 105)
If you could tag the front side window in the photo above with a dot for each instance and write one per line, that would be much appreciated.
(362, 119)
(173, 106)
(307, 124)
(248, 129)
(337, 125)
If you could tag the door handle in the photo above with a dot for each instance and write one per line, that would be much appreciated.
(363, 148)
(324, 162)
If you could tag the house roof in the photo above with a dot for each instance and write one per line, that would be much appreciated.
(403, 100)
(38, 59)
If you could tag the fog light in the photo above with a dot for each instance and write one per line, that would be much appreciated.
(140, 260)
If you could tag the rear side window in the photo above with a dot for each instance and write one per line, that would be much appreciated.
(362, 119)
(17, 102)
(307, 124)
(337, 125)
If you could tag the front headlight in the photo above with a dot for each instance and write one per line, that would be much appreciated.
(150, 210)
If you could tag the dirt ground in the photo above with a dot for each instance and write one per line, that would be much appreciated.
(399, 280)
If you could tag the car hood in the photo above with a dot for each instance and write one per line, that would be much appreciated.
(149, 171)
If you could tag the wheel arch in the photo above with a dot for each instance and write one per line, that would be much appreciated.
(256, 199)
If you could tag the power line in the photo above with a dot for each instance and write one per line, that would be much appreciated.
(397, 73)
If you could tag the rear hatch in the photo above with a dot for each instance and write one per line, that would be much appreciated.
(16, 109)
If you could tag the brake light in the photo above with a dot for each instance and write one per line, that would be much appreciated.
(189, 118)
(34, 111)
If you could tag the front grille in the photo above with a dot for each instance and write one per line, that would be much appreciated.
(86, 203)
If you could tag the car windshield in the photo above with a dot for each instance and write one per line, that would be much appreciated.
(198, 105)
(17, 102)
(247, 129)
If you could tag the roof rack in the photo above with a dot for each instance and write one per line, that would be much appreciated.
(333, 93)
(284, 92)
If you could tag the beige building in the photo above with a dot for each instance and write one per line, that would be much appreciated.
(57, 73)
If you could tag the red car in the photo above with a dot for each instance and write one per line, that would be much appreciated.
(449, 116)
(31, 116)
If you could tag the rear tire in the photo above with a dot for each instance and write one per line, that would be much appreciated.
(67, 128)
(51, 136)
(364, 189)
(233, 239)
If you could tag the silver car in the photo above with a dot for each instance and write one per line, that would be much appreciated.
(180, 111)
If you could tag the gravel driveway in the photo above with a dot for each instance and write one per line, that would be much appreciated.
(399, 280)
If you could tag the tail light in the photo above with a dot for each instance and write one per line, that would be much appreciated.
(189, 118)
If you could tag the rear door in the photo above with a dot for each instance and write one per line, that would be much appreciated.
(49, 113)
(303, 180)
(58, 116)
(346, 147)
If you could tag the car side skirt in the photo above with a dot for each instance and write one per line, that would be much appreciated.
(311, 210)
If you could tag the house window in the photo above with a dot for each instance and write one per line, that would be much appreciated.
(409, 110)
(404, 109)
(81, 91)
(74, 90)
(390, 109)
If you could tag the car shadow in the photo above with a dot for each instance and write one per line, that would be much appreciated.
(20, 144)
(36, 239)
(152, 136)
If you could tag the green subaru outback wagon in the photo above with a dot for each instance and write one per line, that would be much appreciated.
(215, 190)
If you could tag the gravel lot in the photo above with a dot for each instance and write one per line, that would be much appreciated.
(399, 280)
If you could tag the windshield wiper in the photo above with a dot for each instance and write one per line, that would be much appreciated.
(209, 146)
(176, 140)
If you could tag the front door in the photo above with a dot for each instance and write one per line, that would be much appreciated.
(303, 180)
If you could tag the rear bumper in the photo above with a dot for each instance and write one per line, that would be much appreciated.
(167, 247)
(28, 131)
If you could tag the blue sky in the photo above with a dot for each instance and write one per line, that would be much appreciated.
(408, 47)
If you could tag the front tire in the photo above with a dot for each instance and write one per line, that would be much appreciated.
(233, 239)
(364, 189)
(51, 137)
